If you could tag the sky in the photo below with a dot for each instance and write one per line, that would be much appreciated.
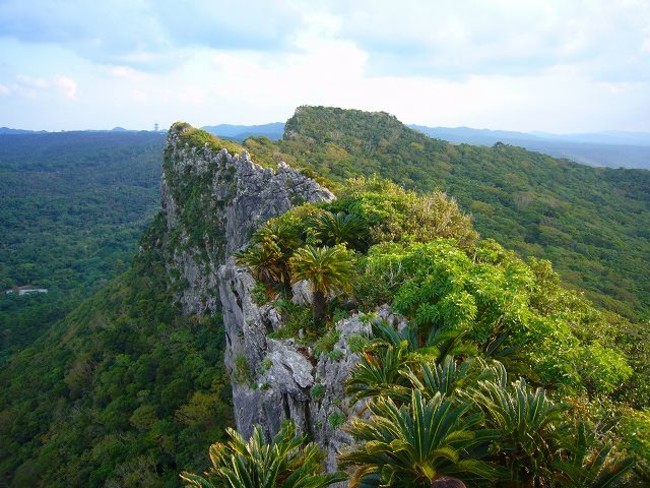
(561, 66)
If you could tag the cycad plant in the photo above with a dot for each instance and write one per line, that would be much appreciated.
(265, 261)
(395, 364)
(327, 269)
(529, 426)
(342, 228)
(446, 377)
(417, 443)
(590, 462)
(268, 254)
(379, 371)
(283, 463)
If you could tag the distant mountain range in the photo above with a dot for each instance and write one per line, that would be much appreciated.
(7, 130)
(485, 136)
(611, 149)
(273, 131)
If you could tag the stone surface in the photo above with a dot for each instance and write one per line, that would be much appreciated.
(301, 293)
(240, 196)
(272, 379)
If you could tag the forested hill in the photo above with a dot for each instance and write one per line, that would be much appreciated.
(593, 223)
(128, 391)
(72, 208)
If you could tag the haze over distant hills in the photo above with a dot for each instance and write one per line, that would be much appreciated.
(612, 149)
(273, 130)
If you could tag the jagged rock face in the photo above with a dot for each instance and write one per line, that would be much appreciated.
(275, 380)
(213, 201)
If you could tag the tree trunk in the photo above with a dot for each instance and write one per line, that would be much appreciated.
(318, 307)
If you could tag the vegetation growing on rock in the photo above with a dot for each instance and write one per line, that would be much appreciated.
(475, 313)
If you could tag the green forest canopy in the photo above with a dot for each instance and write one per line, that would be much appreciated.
(592, 223)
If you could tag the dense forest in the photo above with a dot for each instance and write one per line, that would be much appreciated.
(592, 223)
(501, 378)
(72, 209)
(125, 391)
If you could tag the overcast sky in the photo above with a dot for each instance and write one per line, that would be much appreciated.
(561, 66)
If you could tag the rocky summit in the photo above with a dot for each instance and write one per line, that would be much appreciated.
(272, 379)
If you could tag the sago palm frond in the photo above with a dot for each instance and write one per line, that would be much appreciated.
(444, 378)
(328, 269)
(282, 463)
(342, 228)
(414, 444)
(379, 372)
(591, 463)
(527, 423)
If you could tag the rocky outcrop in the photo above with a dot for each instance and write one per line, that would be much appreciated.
(213, 201)
(276, 380)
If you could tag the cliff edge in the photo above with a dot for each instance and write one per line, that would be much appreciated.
(213, 200)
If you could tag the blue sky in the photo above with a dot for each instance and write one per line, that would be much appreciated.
(561, 66)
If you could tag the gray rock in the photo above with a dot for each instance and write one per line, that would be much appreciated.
(241, 195)
(272, 379)
(301, 293)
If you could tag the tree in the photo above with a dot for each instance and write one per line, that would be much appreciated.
(342, 228)
(327, 269)
(257, 464)
(415, 444)
(268, 254)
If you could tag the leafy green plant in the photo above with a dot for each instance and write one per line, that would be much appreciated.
(285, 462)
(342, 228)
(335, 419)
(294, 318)
(591, 463)
(317, 391)
(335, 354)
(357, 343)
(327, 269)
(527, 423)
(326, 343)
(241, 373)
(415, 444)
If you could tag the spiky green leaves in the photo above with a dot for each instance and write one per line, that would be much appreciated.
(416, 443)
(282, 463)
(327, 269)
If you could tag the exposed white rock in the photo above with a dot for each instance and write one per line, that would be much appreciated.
(272, 379)
(242, 196)
(301, 293)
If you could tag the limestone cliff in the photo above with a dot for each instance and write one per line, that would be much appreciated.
(213, 201)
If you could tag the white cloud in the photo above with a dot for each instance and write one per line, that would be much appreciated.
(66, 85)
(33, 87)
(128, 73)
(474, 37)
(537, 65)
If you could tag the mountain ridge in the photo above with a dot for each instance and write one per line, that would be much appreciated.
(530, 202)
(611, 149)
(126, 388)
